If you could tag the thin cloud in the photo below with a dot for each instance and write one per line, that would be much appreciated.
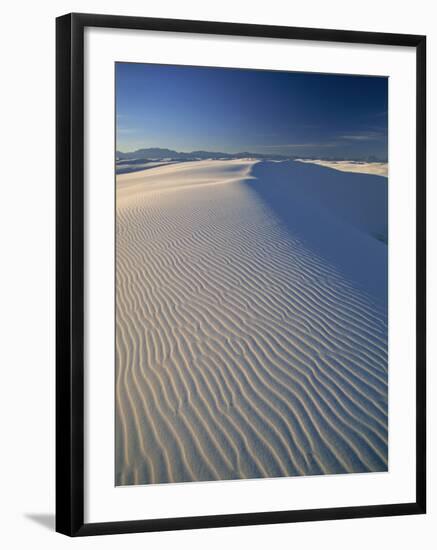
(127, 130)
(298, 145)
(363, 136)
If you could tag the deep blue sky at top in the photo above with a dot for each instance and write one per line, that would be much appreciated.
(234, 110)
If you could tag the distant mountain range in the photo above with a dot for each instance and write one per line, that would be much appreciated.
(158, 153)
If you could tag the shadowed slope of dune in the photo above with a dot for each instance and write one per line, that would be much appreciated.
(339, 215)
(248, 343)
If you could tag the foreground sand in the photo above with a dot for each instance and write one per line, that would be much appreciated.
(251, 329)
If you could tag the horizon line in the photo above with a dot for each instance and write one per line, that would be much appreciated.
(248, 152)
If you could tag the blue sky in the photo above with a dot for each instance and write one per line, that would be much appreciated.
(233, 110)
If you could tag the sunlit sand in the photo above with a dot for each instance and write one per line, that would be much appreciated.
(376, 168)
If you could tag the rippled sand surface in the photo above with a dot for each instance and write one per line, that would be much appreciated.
(251, 322)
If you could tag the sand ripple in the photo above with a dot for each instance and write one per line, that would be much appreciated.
(241, 350)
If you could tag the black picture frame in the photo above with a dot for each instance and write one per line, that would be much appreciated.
(70, 273)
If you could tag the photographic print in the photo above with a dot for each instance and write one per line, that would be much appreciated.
(251, 274)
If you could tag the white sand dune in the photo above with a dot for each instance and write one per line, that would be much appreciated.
(251, 322)
(376, 168)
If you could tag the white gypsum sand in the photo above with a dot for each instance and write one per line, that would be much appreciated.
(251, 322)
(376, 168)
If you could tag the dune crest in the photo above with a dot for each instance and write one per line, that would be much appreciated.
(251, 322)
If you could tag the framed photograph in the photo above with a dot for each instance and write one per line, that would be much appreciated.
(240, 274)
